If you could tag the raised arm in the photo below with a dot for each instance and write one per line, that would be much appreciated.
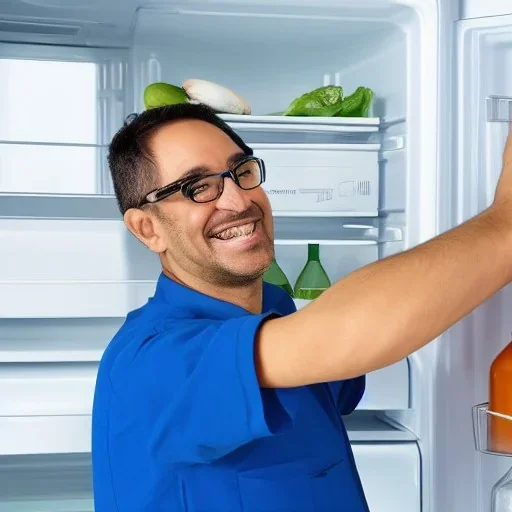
(385, 311)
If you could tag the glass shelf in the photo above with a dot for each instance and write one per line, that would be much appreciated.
(334, 231)
(499, 109)
(59, 206)
(482, 418)
(355, 225)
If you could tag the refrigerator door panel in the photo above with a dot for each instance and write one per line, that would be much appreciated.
(463, 359)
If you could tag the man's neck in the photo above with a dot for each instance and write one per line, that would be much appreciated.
(248, 296)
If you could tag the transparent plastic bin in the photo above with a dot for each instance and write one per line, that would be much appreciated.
(499, 109)
(482, 417)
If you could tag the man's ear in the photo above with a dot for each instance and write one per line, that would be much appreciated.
(146, 227)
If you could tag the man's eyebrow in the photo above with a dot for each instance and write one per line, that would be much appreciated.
(195, 172)
(201, 170)
(235, 158)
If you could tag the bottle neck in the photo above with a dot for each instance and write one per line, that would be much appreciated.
(313, 252)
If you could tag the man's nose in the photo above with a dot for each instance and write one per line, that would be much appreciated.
(233, 198)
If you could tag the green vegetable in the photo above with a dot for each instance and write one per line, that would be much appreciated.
(325, 101)
(160, 94)
(357, 104)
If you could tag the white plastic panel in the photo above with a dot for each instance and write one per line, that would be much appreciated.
(22, 435)
(478, 8)
(60, 108)
(387, 389)
(368, 426)
(73, 269)
(342, 179)
(73, 299)
(38, 100)
(51, 168)
(55, 340)
(47, 389)
(390, 474)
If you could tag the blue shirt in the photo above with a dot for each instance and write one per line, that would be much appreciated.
(181, 424)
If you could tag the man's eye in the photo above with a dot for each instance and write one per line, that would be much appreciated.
(198, 189)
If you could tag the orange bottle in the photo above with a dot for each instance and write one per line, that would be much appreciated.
(500, 401)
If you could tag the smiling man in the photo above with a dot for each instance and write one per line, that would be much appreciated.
(216, 395)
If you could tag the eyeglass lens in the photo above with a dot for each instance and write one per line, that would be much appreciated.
(248, 176)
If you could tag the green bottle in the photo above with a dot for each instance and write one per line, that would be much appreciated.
(313, 279)
(274, 275)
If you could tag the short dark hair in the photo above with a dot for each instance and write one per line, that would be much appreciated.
(132, 164)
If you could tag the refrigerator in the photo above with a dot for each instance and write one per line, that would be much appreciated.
(426, 159)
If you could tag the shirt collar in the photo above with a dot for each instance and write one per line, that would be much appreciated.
(191, 303)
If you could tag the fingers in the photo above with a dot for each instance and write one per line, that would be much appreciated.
(507, 153)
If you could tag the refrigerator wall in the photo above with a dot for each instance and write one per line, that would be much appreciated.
(70, 269)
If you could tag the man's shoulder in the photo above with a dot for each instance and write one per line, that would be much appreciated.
(154, 325)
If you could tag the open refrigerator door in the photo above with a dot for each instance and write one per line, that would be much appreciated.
(467, 470)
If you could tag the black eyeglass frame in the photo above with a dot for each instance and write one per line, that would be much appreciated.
(185, 185)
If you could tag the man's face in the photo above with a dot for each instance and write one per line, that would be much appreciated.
(226, 242)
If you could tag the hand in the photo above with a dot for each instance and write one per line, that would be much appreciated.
(503, 195)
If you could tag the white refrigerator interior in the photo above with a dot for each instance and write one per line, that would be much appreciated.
(426, 159)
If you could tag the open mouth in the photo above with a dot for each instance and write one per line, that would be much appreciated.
(238, 232)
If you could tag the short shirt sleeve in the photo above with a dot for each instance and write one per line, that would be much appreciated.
(348, 393)
(192, 391)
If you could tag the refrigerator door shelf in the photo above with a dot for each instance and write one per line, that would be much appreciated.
(499, 109)
(482, 419)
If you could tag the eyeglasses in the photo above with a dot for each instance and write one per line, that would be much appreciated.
(248, 174)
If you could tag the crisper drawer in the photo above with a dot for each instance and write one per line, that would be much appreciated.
(321, 179)
(390, 474)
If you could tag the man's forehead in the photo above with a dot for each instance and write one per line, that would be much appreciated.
(185, 146)
(190, 134)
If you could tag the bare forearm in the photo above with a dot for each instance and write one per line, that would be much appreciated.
(387, 310)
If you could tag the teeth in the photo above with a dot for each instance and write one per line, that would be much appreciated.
(245, 230)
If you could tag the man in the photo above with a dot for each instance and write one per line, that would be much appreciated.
(213, 397)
